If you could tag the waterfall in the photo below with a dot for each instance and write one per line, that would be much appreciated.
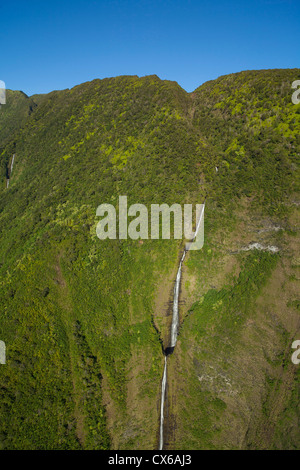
(174, 330)
(163, 392)
(175, 319)
(12, 163)
(10, 171)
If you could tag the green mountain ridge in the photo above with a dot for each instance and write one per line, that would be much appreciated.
(84, 320)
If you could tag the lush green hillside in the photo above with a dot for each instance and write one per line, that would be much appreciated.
(254, 126)
(14, 114)
(84, 320)
(236, 340)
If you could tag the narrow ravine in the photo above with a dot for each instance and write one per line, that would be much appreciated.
(174, 331)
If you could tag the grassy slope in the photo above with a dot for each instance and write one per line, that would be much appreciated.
(84, 359)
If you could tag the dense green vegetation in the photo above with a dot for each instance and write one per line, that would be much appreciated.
(254, 126)
(84, 357)
(214, 324)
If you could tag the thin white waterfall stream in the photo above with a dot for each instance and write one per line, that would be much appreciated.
(12, 163)
(163, 392)
(11, 169)
(175, 319)
(174, 330)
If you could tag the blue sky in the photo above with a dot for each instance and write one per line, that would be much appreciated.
(55, 45)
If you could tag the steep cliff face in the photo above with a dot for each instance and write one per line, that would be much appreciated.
(84, 320)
